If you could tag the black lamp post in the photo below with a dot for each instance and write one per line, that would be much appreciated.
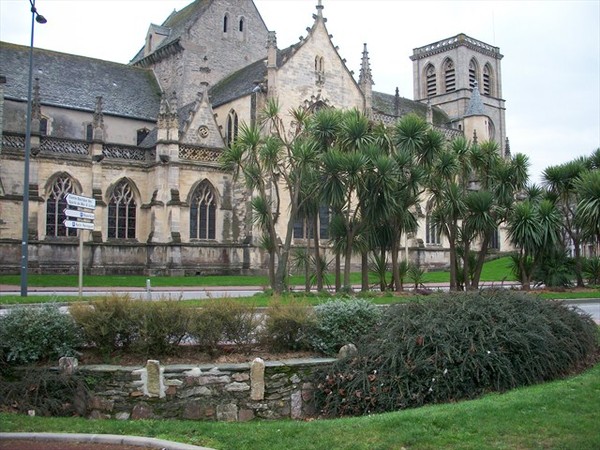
(35, 17)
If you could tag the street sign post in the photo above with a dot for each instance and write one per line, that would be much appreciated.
(79, 225)
(79, 214)
(82, 202)
(86, 222)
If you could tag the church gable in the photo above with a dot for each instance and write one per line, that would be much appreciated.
(313, 71)
(199, 128)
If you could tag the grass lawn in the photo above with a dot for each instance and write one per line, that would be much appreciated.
(562, 414)
(495, 270)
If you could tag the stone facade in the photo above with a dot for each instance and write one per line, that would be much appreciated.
(144, 139)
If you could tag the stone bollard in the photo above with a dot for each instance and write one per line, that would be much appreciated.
(347, 351)
(257, 379)
(67, 365)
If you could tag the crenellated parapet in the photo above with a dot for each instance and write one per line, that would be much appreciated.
(456, 41)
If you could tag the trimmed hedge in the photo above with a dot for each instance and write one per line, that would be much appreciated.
(457, 346)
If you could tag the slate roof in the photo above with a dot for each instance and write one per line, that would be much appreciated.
(475, 107)
(177, 23)
(238, 84)
(72, 81)
(242, 82)
(386, 104)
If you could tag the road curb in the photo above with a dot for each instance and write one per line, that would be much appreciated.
(112, 439)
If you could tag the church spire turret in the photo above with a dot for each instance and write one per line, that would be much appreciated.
(475, 107)
(365, 80)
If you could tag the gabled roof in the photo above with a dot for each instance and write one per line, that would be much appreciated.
(71, 81)
(396, 106)
(176, 23)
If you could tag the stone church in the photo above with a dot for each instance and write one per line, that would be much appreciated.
(143, 139)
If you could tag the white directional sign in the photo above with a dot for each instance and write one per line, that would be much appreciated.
(81, 202)
(79, 214)
(80, 225)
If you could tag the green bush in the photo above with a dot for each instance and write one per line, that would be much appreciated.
(106, 322)
(287, 326)
(46, 393)
(225, 321)
(206, 327)
(591, 270)
(342, 321)
(29, 334)
(161, 326)
(454, 347)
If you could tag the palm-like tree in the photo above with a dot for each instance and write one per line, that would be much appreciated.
(560, 182)
(270, 157)
(588, 207)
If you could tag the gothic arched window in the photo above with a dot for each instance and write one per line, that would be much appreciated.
(232, 128)
(488, 80)
(432, 229)
(449, 76)
(430, 81)
(55, 206)
(203, 212)
(122, 212)
(473, 73)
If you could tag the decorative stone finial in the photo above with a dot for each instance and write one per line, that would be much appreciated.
(271, 40)
(365, 75)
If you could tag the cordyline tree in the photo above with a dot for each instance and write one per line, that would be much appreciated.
(270, 157)
(560, 182)
(473, 190)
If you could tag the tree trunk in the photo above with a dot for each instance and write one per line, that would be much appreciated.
(318, 266)
(338, 270)
(480, 262)
(364, 269)
(453, 274)
(396, 268)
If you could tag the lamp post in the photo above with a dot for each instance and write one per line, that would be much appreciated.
(35, 17)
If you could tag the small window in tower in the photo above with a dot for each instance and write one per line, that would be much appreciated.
(225, 20)
(43, 126)
(241, 25)
(430, 81)
(487, 80)
(449, 76)
(232, 128)
(89, 132)
(473, 73)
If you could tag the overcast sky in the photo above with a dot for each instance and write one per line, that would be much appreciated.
(550, 70)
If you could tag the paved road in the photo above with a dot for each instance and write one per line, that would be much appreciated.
(589, 306)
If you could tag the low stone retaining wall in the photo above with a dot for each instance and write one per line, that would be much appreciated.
(223, 392)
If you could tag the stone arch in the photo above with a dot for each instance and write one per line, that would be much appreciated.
(123, 200)
(204, 202)
(473, 72)
(449, 75)
(488, 80)
(429, 81)
(56, 189)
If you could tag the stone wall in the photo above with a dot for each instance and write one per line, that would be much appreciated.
(224, 392)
